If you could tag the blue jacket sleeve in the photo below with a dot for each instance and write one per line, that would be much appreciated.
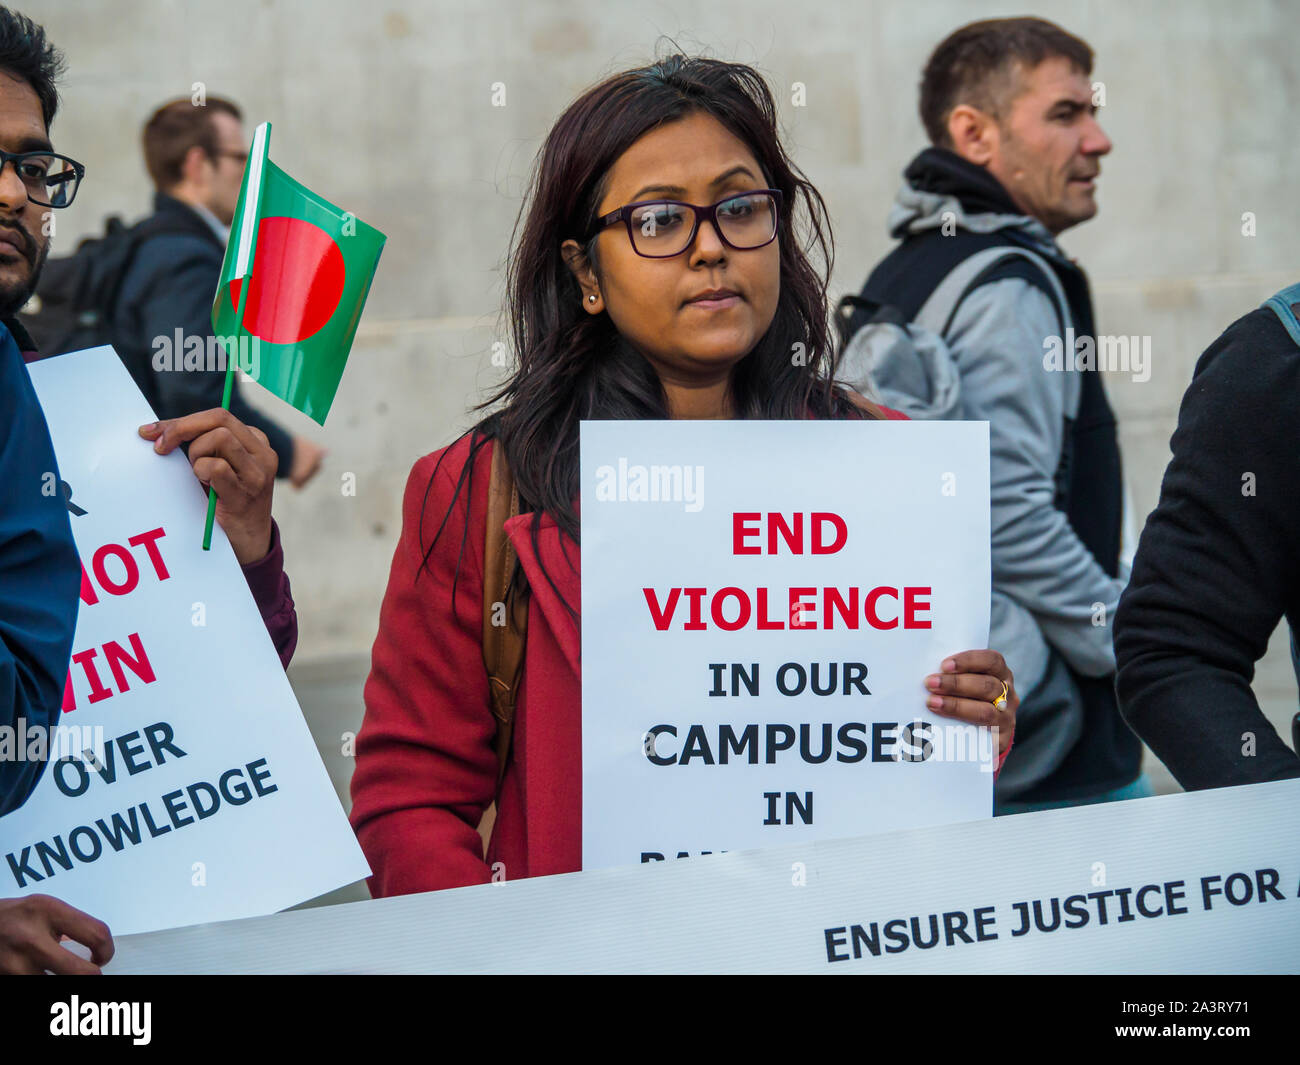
(40, 575)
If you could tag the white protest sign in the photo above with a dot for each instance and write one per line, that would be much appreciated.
(206, 799)
(761, 604)
(1206, 882)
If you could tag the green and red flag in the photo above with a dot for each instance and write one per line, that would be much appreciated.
(295, 277)
(293, 285)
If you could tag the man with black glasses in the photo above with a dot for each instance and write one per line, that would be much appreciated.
(40, 575)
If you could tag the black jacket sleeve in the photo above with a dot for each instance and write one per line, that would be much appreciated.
(40, 577)
(177, 279)
(1216, 567)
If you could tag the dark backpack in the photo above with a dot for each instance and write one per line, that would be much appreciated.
(74, 301)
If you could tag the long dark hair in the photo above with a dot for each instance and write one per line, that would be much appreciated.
(572, 365)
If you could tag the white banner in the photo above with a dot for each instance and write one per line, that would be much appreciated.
(761, 604)
(1207, 882)
(186, 786)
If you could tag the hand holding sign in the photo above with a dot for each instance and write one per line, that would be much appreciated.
(762, 635)
(968, 688)
(30, 932)
(238, 462)
(170, 799)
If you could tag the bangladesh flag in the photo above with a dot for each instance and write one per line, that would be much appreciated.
(293, 284)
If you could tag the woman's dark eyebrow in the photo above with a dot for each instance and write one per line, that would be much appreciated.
(677, 190)
(34, 143)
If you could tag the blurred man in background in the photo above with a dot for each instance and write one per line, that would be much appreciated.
(1016, 149)
(195, 155)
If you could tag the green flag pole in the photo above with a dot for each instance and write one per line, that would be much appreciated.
(247, 216)
(244, 286)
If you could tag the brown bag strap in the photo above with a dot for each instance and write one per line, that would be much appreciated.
(504, 627)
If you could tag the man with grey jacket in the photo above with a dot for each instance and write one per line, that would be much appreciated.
(1008, 106)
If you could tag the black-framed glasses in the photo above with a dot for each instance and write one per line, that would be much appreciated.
(659, 229)
(51, 179)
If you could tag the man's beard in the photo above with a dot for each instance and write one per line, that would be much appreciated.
(15, 294)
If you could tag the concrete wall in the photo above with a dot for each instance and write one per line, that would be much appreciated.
(386, 108)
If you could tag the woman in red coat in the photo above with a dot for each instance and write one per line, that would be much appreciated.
(624, 303)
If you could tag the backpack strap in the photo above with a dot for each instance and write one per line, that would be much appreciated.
(853, 312)
(505, 617)
(100, 302)
(938, 312)
(991, 264)
(1283, 304)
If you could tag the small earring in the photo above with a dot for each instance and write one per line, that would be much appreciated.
(591, 299)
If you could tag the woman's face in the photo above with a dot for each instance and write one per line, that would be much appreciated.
(653, 303)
